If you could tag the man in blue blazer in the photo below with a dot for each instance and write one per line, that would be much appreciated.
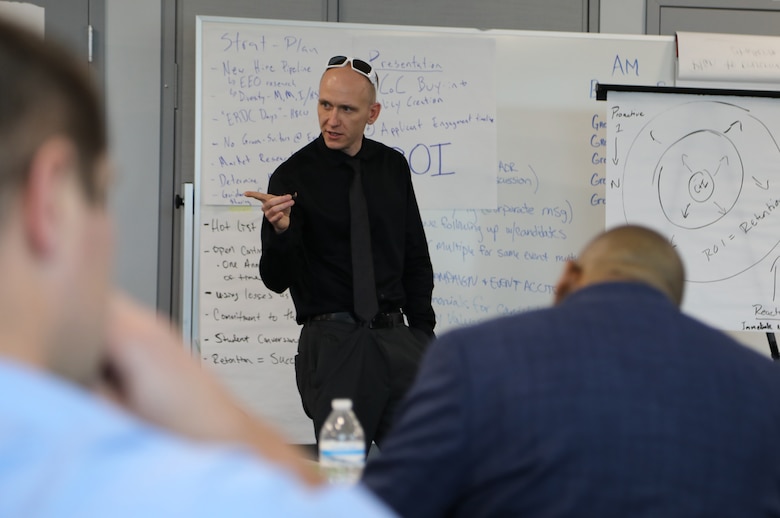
(611, 404)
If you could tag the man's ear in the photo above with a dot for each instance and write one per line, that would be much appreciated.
(373, 112)
(45, 194)
(569, 281)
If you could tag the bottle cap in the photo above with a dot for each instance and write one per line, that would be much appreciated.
(341, 404)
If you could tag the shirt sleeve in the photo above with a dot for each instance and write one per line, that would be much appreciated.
(423, 463)
(240, 486)
(278, 259)
(91, 459)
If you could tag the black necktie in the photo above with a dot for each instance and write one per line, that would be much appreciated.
(363, 284)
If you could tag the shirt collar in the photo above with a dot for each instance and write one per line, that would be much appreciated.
(617, 290)
(367, 150)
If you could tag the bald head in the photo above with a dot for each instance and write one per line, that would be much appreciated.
(627, 253)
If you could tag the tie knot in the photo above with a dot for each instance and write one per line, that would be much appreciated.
(354, 164)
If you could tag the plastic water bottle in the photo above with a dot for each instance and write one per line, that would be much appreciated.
(342, 444)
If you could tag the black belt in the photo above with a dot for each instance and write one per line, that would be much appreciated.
(380, 321)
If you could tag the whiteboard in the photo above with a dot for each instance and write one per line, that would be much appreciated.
(742, 61)
(703, 171)
(261, 81)
(546, 168)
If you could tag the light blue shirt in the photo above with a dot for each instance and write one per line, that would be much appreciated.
(64, 452)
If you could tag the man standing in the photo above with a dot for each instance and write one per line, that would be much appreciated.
(343, 232)
(611, 404)
(102, 412)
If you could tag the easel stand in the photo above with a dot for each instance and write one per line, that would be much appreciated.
(773, 346)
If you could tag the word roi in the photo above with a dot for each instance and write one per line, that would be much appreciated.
(427, 158)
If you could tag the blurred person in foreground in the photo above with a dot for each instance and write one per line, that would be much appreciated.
(102, 412)
(613, 403)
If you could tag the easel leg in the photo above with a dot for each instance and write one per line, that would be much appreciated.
(773, 346)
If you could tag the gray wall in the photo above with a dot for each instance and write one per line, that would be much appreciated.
(622, 16)
(132, 82)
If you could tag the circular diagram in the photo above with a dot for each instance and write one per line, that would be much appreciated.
(699, 179)
(707, 175)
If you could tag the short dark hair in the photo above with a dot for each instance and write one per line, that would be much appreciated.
(45, 92)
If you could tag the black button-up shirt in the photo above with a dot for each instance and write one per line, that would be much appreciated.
(312, 258)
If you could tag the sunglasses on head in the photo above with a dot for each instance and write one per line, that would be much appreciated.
(358, 65)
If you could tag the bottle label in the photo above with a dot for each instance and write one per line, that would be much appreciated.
(342, 462)
(342, 452)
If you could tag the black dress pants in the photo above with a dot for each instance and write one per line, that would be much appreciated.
(373, 367)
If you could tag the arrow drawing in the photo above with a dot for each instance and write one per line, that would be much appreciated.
(734, 124)
(761, 185)
(773, 269)
(615, 160)
(726, 159)
(683, 157)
